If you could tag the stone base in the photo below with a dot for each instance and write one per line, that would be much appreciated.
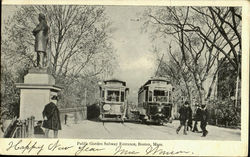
(39, 70)
(33, 101)
(39, 76)
(33, 78)
(35, 93)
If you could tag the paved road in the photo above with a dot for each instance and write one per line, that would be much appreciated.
(114, 130)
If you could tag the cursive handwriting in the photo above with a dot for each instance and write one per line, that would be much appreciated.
(57, 146)
(121, 151)
(84, 148)
(25, 147)
(155, 150)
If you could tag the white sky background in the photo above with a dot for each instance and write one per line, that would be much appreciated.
(136, 61)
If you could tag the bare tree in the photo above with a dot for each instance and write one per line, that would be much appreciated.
(78, 35)
(199, 34)
(78, 43)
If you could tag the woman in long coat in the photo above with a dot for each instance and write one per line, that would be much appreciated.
(52, 117)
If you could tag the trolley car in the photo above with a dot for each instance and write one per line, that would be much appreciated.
(113, 102)
(155, 101)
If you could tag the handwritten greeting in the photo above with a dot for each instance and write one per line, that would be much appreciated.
(82, 147)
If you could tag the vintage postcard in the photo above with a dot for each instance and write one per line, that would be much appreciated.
(125, 78)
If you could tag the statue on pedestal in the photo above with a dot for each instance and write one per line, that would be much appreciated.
(41, 41)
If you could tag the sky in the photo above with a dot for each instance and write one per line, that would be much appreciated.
(136, 61)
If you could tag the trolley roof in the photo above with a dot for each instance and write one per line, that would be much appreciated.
(163, 79)
(115, 80)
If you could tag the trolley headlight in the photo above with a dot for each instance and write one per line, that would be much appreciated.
(160, 108)
(106, 107)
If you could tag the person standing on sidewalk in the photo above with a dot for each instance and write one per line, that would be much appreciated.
(197, 118)
(65, 119)
(190, 118)
(204, 120)
(51, 117)
(184, 116)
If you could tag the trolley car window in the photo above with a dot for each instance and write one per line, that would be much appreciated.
(113, 96)
(170, 97)
(103, 94)
(122, 96)
(159, 93)
(150, 96)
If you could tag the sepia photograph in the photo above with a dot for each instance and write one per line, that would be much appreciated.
(127, 72)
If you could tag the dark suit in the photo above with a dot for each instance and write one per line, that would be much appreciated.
(197, 118)
(204, 120)
(53, 117)
(184, 116)
(190, 119)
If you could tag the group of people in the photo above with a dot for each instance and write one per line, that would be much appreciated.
(186, 119)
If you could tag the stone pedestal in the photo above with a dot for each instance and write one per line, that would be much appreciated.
(35, 93)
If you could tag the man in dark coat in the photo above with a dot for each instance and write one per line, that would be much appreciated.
(184, 116)
(52, 117)
(190, 118)
(204, 119)
(65, 119)
(197, 118)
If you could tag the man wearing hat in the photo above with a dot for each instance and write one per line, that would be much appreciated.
(184, 116)
(197, 117)
(204, 119)
(51, 117)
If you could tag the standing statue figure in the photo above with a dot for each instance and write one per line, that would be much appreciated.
(41, 41)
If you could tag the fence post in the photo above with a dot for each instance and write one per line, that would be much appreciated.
(84, 112)
(23, 128)
(32, 125)
(28, 126)
(18, 133)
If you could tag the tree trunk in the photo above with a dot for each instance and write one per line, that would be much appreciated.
(211, 86)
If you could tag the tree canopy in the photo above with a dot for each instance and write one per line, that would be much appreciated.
(200, 40)
(78, 43)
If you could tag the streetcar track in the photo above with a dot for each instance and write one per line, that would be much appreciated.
(158, 129)
(127, 126)
(106, 128)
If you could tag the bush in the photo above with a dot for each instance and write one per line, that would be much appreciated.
(224, 113)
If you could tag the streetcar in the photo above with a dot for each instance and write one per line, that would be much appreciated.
(155, 101)
(113, 100)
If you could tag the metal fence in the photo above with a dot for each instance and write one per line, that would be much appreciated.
(20, 128)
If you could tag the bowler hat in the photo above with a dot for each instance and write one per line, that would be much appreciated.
(42, 16)
(203, 105)
(54, 97)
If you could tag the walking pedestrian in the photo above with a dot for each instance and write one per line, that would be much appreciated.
(190, 119)
(65, 119)
(197, 118)
(51, 117)
(184, 116)
(204, 120)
